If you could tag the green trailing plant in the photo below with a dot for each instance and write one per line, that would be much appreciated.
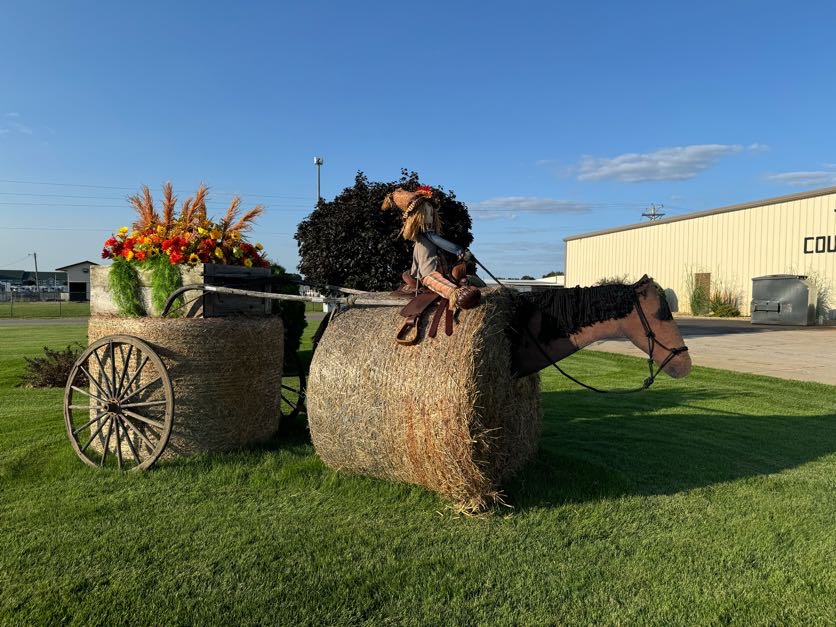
(123, 281)
(51, 370)
(165, 278)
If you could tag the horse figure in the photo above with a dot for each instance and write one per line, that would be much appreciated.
(551, 325)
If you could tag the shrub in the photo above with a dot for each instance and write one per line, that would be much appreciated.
(613, 280)
(724, 303)
(53, 369)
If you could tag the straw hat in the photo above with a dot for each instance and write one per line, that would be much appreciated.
(406, 201)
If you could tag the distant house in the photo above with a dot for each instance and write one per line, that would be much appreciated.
(78, 279)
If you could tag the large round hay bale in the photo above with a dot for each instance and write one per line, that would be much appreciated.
(444, 414)
(226, 374)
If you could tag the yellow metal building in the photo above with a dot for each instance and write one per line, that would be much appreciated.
(719, 249)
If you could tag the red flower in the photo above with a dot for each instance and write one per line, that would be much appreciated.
(424, 190)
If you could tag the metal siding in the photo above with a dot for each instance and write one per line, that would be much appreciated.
(733, 246)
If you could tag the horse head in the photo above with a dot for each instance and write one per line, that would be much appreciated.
(549, 326)
(651, 327)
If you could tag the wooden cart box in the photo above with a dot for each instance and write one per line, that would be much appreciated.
(205, 306)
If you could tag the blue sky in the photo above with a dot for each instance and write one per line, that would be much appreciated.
(547, 119)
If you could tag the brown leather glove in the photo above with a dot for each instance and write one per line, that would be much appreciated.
(467, 297)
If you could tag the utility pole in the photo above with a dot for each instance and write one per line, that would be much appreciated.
(37, 282)
(318, 161)
(652, 214)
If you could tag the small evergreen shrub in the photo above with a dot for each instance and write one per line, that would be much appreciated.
(53, 369)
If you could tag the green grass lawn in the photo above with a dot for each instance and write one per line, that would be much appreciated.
(50, 309)
(703, 501)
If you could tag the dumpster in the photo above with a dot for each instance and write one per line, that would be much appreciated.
(787, 299)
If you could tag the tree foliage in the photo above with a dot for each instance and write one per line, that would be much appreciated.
(351, 242)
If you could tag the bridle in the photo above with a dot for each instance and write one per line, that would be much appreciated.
(652, 343)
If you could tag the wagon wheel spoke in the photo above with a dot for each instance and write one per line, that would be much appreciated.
(140, 433)
(104, 430)
(94, 434)
(292, 390)
(139, 390)
(106, 442)
(92, 380)
(125, 361)
(86, 393)
(130, 443)
(90, 422)
(108, 390)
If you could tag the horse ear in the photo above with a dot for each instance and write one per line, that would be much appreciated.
(642, 281)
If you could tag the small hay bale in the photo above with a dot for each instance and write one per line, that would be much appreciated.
(444, 414)
(226, 374)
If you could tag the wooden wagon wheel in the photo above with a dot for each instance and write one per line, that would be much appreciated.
(119, 404)
(293, 387)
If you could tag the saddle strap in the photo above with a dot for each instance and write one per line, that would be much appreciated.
(439, 311)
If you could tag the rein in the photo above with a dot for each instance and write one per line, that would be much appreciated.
(652, 343)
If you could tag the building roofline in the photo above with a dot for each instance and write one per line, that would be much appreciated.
(699, 214)
(73, 265)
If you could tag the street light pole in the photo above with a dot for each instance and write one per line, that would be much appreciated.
(37, 282)
(318, 161)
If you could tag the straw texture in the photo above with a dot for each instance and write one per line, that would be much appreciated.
(226, 374)
(444, 414)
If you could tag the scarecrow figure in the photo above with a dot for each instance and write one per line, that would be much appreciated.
(430, 267)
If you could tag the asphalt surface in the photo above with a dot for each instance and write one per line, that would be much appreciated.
(797, 353)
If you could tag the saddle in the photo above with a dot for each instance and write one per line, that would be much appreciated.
(422, 300)
(415, 310)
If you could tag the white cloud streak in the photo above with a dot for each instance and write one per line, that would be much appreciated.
(678, 163)
(806, 178)
(510, 206)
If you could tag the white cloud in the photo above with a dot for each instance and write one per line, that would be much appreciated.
(677, 163)
(806, 178)
(510, 206)
(12, 114)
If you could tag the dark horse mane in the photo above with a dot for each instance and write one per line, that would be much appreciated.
(566, 311)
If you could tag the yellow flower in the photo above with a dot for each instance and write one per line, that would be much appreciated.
(130, 255)
(236, 252)
(160, 230)
(234, 236)
(258, 246)
(201, 230)
(135, 234)
(219, 253)
(123, 231)
(193, 258)
(215, 234)
(248, 262)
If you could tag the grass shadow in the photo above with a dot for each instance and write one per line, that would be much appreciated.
(660, 443)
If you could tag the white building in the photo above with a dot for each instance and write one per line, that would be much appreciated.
(721, 249)
(78, 279)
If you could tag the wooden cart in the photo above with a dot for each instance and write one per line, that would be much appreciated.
(119, 402)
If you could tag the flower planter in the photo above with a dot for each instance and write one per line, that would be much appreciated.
(205, 306)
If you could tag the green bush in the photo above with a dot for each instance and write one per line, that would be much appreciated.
(53, 369)
(724, 304)
(700, 301)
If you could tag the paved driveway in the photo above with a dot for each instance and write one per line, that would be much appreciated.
(800, 353)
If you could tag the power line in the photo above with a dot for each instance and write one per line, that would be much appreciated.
(135, 189)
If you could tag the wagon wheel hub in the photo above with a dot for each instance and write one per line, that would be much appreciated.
(113, 407)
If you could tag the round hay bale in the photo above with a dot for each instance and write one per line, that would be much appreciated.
(226, 374)
(444, 414)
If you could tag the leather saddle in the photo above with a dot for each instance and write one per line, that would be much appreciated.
(421, 301)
